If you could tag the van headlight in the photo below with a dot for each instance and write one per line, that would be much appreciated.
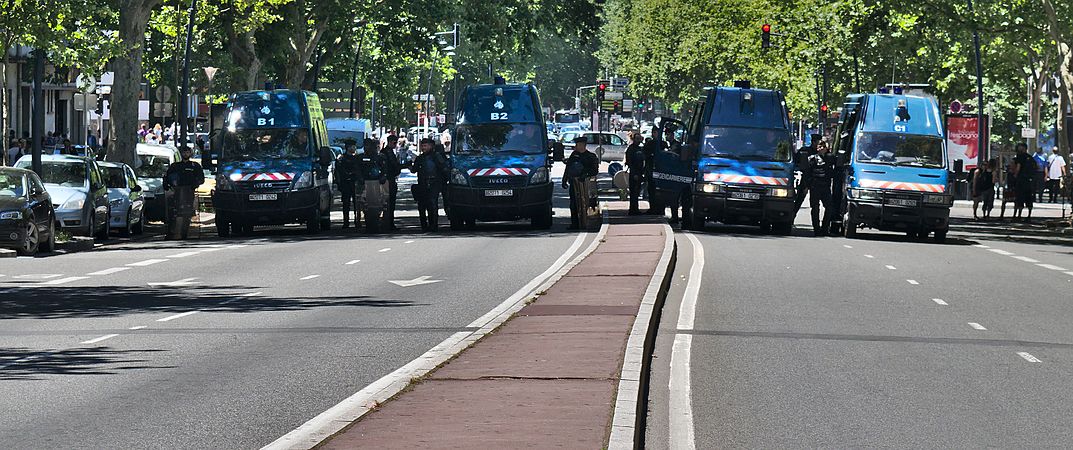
(864, 194)
(227, 182)
(938, 199)
(778, 192)
(539, 176)
(457, 177)
(11, 215)
(304, 181)
(76, 202)
(712, 188)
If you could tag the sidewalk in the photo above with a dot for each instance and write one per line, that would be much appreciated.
(553, 375)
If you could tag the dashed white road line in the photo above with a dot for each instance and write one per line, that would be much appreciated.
(108, 271)
(38, 276)
(1052, 267)
(139, 327)
(1001, 252)
(981, 246)
(940, 302)
(891, 267)
(184, 254)
(1069, 273)
(848, 246)
(408, 242)
(96, 340)
(62, 280)
(147, 262)
(1028, 357)
(977, 326)
(177, 316)
(352, 262)
(385, 250)
(1025, 259)
(309, 277)
(251, 294)
(913, 281)
(869, 256)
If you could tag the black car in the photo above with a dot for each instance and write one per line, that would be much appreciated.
(27, 219)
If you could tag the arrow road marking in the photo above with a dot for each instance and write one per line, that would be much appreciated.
(308, 277)
(182, 282)
(415, 282)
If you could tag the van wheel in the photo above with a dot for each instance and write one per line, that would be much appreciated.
(223, 227)
(850, 229)
(458, 223)
(783, 228)
(940, 236)
(695, 222)
(313, 223)
(541, 221)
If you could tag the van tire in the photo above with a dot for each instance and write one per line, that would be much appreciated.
(850, 230)
(940, 236)
(543, 219)
(223, 227)
(313, 223)
(783, 228)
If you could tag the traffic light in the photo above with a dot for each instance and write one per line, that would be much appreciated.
(616, 106)
(601, 89)
(765, 36)
(823, 111)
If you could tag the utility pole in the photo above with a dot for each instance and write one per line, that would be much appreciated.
(983, 147)
(354, 71)
(184, 96)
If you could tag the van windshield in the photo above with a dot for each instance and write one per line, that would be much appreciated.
(343, 138)
(765, 144)
(900, 149)
(265, 143)
(489, 138)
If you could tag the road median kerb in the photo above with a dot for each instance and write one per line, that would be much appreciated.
(75, 244)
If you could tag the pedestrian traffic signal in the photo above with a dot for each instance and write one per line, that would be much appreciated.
(765, 36)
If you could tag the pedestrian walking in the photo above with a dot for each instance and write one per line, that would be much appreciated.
(581, 165)
(1024, 169)
(180, 182)
(1039, 179)
(1056, 170)
(983, 189)
(635, 161)
(16, 151)
(350, 181)
(819, 174)
(432, 174)
(392, 170)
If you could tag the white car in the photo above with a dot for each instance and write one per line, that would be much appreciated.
(610, 147)
(124, 197)
(152, 164)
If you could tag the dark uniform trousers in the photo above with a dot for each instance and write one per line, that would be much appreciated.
(820, 192)
(636, 180)
(428, 203)
(576, 205)
(393, 195)
(351, 193)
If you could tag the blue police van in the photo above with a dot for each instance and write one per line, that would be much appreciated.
(274, 163)
(737, 158)
(500, 167)
(891, 152)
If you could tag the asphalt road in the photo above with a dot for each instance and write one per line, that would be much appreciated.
(881, 342)
(233, 343)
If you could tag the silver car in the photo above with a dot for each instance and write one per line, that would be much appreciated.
(124, 197)
(610, 147)
(78, 193)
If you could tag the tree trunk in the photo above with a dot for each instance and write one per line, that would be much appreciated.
(243, 48)
(303, 43)
(1065, 70)
(133, 19)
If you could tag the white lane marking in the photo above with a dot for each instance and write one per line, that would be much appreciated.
(251, 294)
(177, 283)
(847, 246)
(1028, 357)
(912, 281)
(211, 249)
(385, 250)
(1069, 273)
(940, 302)
(977, 326)
(408, 242)
(96, 340)
(1001, 252)
(681, 408)
(981, 246)
(352, 262)
(891, 267)
(38, 276)
(177, 316)
(360, 403)
(183, 255)
(424, 279)
(1025, 259)
(687, 312)
(309, 277)
(147, 262)
(139, 327)
(1052, 267)
(62, 280)
(236, 246)
(108, 271)
(869, 256)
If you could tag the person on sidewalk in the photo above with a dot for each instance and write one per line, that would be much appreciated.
(820, 173)
(1024, 169)
(1056, 169)
(16, 151)
(432, 174)
(180, 182)
(350, 181)
(1039, 180)
(983, 189)
(581, 165)
(392, 170)
(635, 161)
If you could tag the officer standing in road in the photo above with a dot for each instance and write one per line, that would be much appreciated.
(801, 165)
(581, 165)
(819, 174)
(351, 183)
(180, 182)
(651, 148)
(392, 169)
(432, 174)
(635, 160)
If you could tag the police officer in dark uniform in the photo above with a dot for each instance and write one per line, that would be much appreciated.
(635, 160)
(432, 175)
(651, 148)
(180, 182)
(819, 175)
(581, 165)
(392, 170)
(351, 182)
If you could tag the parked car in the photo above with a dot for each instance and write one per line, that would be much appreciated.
(27, 218)
(609, 147)
(152, 164)
(124, 198)
(79, 195)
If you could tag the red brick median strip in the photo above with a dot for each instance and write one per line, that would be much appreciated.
(547, 378)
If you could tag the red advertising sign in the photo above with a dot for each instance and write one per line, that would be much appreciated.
(962, 139)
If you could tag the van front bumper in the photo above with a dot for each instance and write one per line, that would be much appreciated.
(527, 201)
(899, 218)
(288, 207)
(722, 208)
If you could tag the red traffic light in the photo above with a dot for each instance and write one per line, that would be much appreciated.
(603, 87)
(766, 28)
(823, 107)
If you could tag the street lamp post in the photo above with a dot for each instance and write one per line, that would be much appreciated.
(206, 156)
(184, 104)
(983, 148)
(354, 71)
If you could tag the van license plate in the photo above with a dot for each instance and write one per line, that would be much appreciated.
(745, 195)
(901, 202)
(499, 193)
(262, 197)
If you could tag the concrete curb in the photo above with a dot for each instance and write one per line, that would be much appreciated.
(75, 245)
(5, 253)
(340, 417)
(628, 424)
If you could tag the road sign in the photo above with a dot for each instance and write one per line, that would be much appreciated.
(1028, 133)
(955, 107)
(611, 95)
(627, 105)
(620, 82)
(163, 110)
(162, 93)
(86, 83)
(79, 101)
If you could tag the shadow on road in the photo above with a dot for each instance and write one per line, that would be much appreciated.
(28, 365)
(107, 301)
